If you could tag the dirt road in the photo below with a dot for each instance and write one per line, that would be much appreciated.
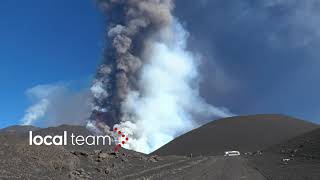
(203, 168)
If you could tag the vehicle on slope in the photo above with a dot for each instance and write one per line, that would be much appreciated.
(232, 153)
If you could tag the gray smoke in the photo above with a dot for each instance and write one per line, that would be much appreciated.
(132, 24)
(148, 83)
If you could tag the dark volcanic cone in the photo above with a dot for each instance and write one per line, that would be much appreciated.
(243, 133)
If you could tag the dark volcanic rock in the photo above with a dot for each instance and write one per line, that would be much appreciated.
(19, 160)
(297, 158)
(243, 133)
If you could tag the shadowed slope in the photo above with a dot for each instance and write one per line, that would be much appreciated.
(302, 154)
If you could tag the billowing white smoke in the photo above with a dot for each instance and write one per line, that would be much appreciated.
(170, 101)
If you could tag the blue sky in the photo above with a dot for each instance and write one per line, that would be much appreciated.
(258, 57)
(45, 42)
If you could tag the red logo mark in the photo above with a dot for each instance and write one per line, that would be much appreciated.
(118, 146)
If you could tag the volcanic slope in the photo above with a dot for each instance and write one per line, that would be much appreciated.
(18, 129)
(19, 160)
(297, 158)
(242, 133)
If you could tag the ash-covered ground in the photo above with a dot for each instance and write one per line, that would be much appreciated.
(19, 160)
(298, 158)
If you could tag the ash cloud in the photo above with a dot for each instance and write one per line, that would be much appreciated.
(132, 23)
(148, 83)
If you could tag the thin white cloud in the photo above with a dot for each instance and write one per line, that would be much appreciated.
(56, 104)
(35, 112)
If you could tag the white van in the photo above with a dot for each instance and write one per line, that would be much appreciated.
(232, 153)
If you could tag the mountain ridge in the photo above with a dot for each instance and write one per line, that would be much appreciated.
(244, 133)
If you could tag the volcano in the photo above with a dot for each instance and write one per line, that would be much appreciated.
(277, 138)
(242, 133)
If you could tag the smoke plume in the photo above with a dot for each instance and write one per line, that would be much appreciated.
(56, 104)
(148, 83)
